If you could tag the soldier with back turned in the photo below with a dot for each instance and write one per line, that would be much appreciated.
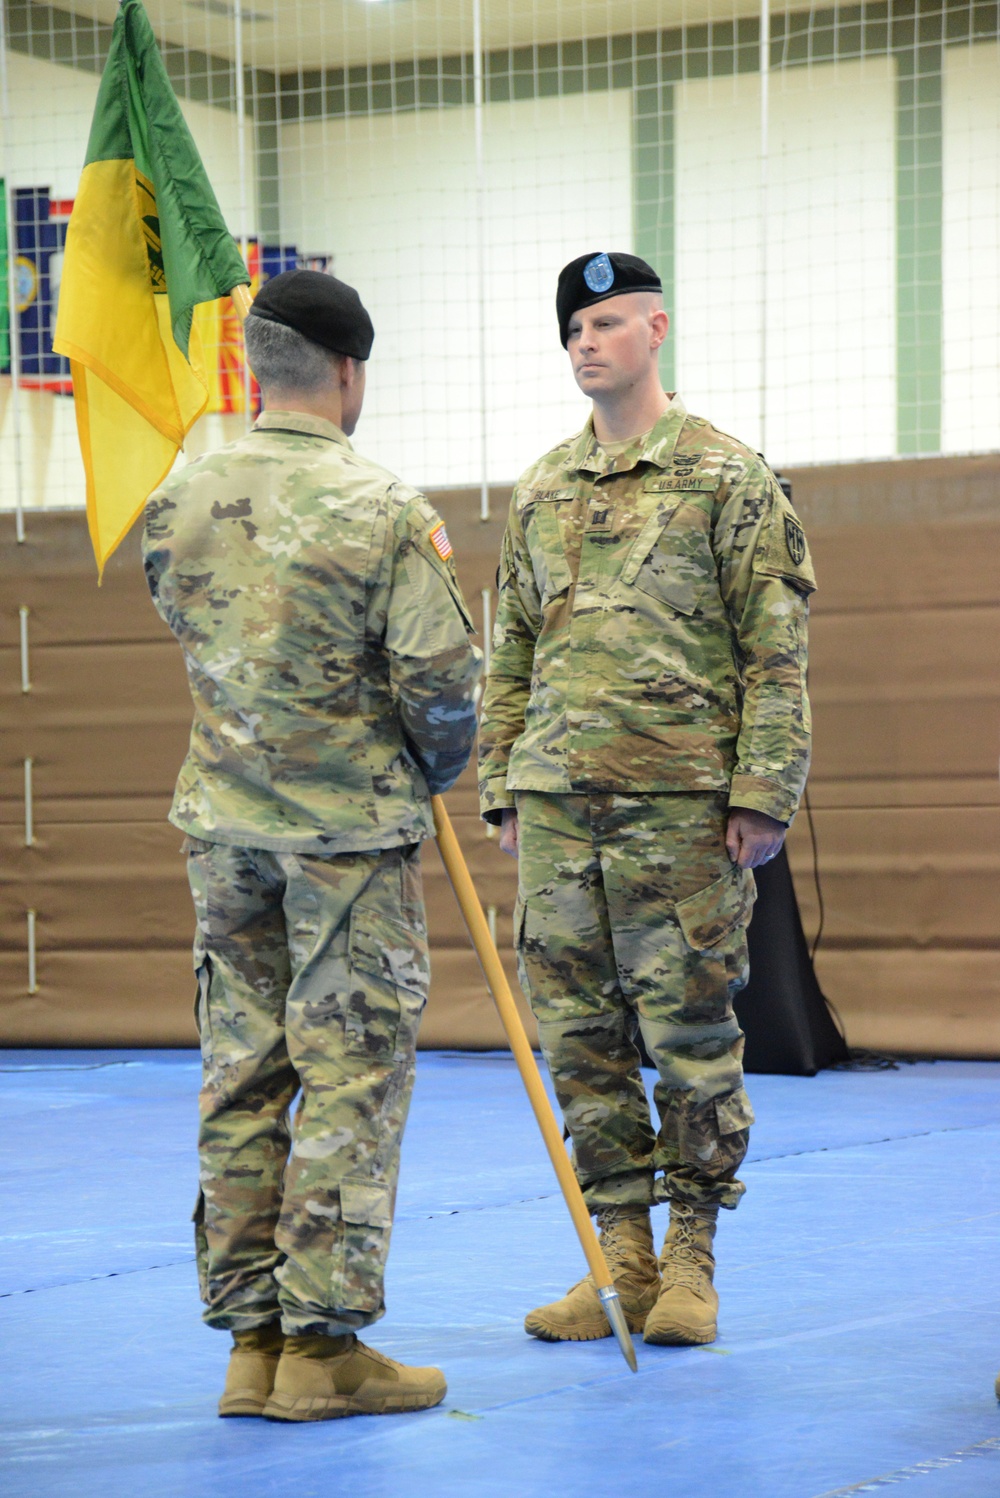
(644, 743)
(328, 655)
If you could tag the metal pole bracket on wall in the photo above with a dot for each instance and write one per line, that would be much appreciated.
(29, 803)
(32, 959)
(25, 669)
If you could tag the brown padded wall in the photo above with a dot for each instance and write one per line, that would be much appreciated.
(106, 724)
(903, 679)
(905, 683)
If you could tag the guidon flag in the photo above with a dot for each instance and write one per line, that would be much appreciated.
(146, 244)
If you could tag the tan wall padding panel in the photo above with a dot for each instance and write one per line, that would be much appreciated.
(928, 1003)
(110, 997)
(97, 885)
(905, 685)
(916, 877)
(106, 725)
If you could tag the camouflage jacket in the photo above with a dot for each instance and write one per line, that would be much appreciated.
(326, 642)
(651, 625)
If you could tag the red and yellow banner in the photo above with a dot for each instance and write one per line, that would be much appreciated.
(219, 330)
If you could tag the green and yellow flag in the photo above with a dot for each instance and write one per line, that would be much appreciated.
(146, 243)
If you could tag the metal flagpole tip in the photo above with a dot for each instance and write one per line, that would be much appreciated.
(613, 1310)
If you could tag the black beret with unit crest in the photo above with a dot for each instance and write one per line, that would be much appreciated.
(596, 277)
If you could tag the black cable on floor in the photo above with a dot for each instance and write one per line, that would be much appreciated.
(859, 1058)
(814, 948)
(816, 881)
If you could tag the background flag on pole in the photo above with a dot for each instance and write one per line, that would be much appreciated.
(146, 243)
(4, 284)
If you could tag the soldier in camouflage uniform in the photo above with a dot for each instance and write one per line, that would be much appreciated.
(328, 655)
(644, 743)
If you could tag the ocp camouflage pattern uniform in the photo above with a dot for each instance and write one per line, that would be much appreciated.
(326, 643)
(647, 675)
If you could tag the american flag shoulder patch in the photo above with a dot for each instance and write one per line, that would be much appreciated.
(439, 541)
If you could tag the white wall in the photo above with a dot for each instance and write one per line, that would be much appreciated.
(51, 108)
(49, 121)
(394, 200)
(830, 293)
(716, 310)
(216, 134)
(971, 251)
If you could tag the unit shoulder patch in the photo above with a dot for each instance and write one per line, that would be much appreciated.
(795, 540)
(783, 550)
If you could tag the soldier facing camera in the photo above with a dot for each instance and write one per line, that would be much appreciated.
(644, 744)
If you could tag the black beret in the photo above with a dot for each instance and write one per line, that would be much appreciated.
(321, 308)
(595, 277)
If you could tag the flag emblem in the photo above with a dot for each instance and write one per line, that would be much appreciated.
(440, 542)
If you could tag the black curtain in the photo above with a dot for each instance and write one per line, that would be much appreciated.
(782, 1011)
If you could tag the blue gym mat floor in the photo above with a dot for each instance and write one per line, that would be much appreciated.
(859, 1332)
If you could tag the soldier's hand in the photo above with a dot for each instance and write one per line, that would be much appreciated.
(508, 832)
(752, 837)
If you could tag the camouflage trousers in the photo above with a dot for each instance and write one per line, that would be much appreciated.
(631, 917)
(312, 976)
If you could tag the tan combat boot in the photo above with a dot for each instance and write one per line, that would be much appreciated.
(627, 1241)
(253, 1363)
(325, 1378)
(685, 1313)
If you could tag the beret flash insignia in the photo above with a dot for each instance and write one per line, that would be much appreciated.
(599, 273)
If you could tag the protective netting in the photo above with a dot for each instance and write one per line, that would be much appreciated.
(819, 190)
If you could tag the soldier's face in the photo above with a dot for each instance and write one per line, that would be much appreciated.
(612, 345)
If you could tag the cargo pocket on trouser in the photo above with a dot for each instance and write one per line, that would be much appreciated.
(733, 1116)
(705, 1113)
(358, 1270)
(714, 921)
(702, 1144)
(389, 979)
(718, 911)
(734, 1113)
(711, 1133)
(693, 1034)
